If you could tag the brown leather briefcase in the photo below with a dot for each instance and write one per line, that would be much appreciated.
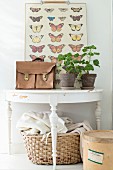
(35, 75)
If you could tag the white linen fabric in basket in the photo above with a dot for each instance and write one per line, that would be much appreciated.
(32, 123)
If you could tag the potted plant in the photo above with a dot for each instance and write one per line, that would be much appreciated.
(69, 67)
(87, 64)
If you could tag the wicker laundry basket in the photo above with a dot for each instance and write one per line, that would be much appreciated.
(39, 152)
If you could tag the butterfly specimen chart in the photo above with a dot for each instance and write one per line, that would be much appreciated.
(53, 28)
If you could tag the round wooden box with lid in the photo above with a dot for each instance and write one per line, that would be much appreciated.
(98, 150)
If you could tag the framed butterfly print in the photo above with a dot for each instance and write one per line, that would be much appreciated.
(52, 29)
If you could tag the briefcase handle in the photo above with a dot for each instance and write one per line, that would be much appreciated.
(38, 59)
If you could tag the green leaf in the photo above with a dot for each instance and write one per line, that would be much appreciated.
(90, 54)
(93, 47)
(76, 55)
(96, 53)
(66, 63)
(72, 64)
(88, 47)
(82, 61)
(96, 63)
(60, 57)
(69, 54)
(84, 50)
(75, 61)
(87, 62)
(89, 67)
(84, 54)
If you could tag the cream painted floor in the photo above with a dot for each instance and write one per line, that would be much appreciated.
(21, 162)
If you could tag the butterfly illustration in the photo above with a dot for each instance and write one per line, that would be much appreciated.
(76, 37)
(35, 9)
(56, 27)
(54, 60)
(49, 10)
(75, 27)
(35, 58)
(57, 81)
(76, 18)
(76, 48)
(35, 49)
(34, 19)
(56, 49)
(51, 18)
(55, 38)
(36, 39)
(36, 28)
(76, 9)
(62, 18)
(63, 9)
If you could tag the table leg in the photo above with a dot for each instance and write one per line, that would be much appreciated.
(9, 126)
(54, 122)
(98, 114)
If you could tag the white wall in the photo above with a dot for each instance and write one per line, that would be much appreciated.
(12, 48)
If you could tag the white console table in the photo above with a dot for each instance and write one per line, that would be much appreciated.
(53, 97)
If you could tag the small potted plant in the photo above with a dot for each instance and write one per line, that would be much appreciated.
(87, 64)
(69, 67)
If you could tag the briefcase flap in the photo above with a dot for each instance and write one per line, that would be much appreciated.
(30, 67)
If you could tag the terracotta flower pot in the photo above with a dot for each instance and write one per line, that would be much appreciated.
(88, 81)
(68, 79)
